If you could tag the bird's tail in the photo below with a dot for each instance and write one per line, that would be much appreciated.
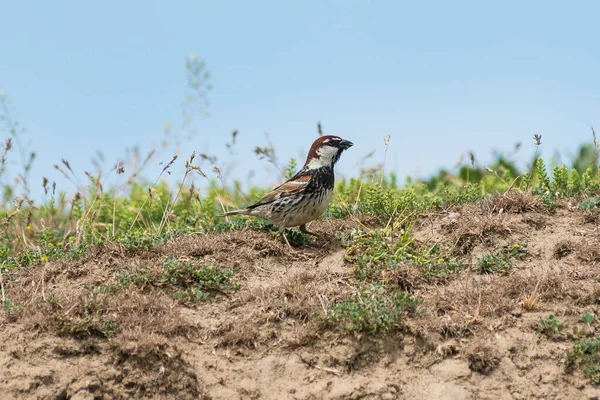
(242, 211)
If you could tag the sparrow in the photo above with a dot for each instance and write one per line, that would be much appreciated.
(304, 197)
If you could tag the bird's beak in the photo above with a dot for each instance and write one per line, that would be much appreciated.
(345, 144)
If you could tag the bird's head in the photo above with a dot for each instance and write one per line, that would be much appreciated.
(326, 151)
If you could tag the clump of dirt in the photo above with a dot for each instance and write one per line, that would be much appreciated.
(482, 357)
(148, 365)
(563, 248)
(123, 323)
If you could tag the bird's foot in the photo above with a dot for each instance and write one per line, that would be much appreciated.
(306, 231)
(287, 243)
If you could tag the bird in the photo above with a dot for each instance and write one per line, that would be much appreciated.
(305, 196)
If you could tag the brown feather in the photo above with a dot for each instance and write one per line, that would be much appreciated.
(286, 189)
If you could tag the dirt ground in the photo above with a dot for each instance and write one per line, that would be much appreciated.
(473, 339)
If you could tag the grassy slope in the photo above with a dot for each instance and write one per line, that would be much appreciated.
(486, 277)
(368, 311)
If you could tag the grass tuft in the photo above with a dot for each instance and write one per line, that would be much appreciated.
(372, 310)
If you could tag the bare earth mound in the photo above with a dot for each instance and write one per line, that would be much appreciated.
(131, 324)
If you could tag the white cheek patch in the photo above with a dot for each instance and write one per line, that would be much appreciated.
(325, 159)
(328, 152)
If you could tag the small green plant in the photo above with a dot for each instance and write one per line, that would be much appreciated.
(542, 174)
(139, 278)
(372, 310)
(590, 204)
(588, 330)
(290, 170)
(88, 318)
(560, 181)
(434, 266)
(516, 251)
(182, 280)
(552, 326)
(501, 262)
(12, 310)
(195, 282)
(54, 302)
(549, 201)
(440, 269)
(585, 355)
(493, 264)
(84, 328)
(142, 242)
(587, 318)
(574, 182)
(375, 250)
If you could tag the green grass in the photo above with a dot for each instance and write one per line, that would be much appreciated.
(374, 309)
(85, 328)
(500, 262)
(440, 269)
(197, 282)
(88, 319)
(185, 281)
(146, 215)
(117, 210)
(12, 310)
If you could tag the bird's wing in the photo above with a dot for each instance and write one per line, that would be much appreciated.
(291, 187)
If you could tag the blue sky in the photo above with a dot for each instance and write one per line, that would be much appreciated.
(441, 78)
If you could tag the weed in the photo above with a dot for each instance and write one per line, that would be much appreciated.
(587, 318)
(88, 318)
(500, 262)
(182, 280)
(375, 250)
(440, 269)
(138, 278)
(551, 326)
(493, 264)
(585, 355)
(142, 243)
(530, 303)
(372, 310)
(291, 169)
(13, 311)
(85, 328)
(590, 204)
(199, 280)
(54, 302)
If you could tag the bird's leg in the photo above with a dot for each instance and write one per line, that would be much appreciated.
(282, 231)
(304, 230)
